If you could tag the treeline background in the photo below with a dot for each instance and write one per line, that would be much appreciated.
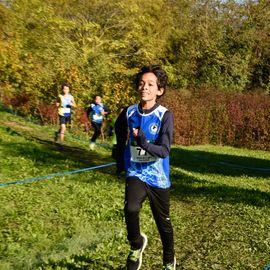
(216, 54)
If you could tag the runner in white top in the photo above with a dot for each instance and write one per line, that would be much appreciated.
(65, 103)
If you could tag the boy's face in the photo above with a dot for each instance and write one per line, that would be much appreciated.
(148, 87)
(65, 90)
(97, 99)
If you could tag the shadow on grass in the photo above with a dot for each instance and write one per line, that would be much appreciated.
(187, 188)
(49, 154)
(229, 165)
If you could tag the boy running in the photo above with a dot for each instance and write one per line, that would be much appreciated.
(144, 134)
(65, 103)
(96, 113)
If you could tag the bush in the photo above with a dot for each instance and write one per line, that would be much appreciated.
(214, 117)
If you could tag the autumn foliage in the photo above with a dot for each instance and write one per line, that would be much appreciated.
(216, 117)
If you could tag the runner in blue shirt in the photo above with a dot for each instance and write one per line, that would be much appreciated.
(96, 113)
(144, 134)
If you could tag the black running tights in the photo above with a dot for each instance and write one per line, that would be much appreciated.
(135, 193)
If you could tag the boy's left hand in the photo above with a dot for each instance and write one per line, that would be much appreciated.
(135, 132)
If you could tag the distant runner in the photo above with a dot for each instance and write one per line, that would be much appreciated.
(65, 103)
(96, 112)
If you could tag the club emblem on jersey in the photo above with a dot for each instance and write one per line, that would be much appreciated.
(153, 128)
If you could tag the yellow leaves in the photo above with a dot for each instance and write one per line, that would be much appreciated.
(118, 94)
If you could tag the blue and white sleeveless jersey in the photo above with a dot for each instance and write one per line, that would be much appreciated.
(152, 170)
(65, 105)
(95, 113)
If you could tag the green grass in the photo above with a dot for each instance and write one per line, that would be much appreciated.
(220, 213)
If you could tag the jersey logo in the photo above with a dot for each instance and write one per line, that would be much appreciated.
(153, 128)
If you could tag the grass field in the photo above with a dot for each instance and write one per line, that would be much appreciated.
(219, 206)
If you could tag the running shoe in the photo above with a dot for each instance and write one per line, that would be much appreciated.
(170, 266)
(134, 260)
(92, 146)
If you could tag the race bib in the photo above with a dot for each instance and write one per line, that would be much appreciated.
(140, 155)
(97, 116)
(66, 110)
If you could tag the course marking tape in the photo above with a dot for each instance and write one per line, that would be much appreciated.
(85, 141)
(54, 175)
(243, 167)
(238, 166)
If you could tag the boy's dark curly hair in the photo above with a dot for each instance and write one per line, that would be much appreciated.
(65, 84)
(161, 75)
